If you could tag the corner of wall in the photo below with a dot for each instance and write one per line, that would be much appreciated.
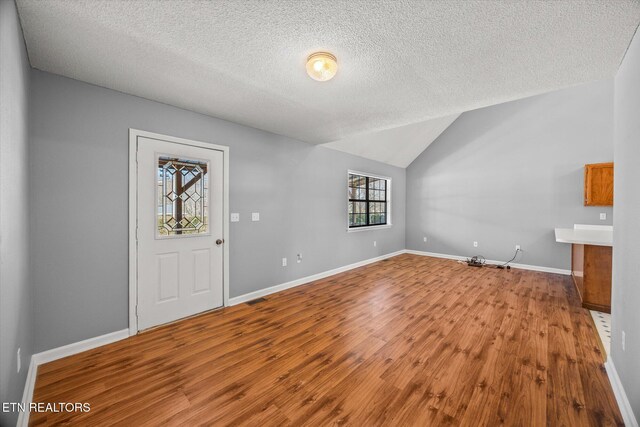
(626, 270)
(16, 286)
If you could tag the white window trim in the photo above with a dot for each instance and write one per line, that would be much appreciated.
(389, 223)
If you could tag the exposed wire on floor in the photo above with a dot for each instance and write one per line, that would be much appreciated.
(506, 264)
(476, 261)
(480, 261)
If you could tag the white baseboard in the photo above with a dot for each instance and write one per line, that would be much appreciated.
(281, 287)
(58, 353)
(489, 261)
(621, 396)
(79, 347)
(27, 395)
(435, 255)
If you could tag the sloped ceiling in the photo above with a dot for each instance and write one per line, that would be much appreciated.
(400, 62)
(397, 146)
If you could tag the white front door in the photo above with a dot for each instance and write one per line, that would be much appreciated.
(180, 230)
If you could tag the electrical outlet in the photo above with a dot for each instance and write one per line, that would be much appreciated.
(284, 262)
(517, 247)
(375, 243)
(475, 244)
(424, 239)
(235, 217)
(299, 258)
(20, 361)
(255, 216)
(624, 341)
(603, 216)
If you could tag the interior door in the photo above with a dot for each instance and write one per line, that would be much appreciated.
(179, 230)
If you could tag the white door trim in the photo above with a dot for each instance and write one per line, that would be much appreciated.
(133, 216)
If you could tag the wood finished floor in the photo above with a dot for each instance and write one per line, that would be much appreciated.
(410, 340)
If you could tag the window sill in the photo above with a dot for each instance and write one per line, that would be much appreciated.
(373, 227)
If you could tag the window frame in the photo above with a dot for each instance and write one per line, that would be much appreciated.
(388, 224)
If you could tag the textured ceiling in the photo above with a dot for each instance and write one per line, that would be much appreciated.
(397, 146)
(400, 62)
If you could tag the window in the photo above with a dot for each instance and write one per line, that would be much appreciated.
(183, 185)
(369, 198)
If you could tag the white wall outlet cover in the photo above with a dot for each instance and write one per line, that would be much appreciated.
(299, 258)
(517, 247)
(284, 262)
(235, 217)
(475, 244)
(425, 239)
(375, 243)
(603, 216)
(255, 216)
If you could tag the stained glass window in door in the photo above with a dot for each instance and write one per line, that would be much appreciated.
(182, 188)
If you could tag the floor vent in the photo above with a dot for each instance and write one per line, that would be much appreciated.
(256, 301)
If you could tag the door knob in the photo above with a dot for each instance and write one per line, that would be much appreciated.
(219, 242)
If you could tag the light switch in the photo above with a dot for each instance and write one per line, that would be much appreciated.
(603, 216)
(235, 217)
(255, 216)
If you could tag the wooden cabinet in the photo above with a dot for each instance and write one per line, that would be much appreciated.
(598, 184)
(591, 271)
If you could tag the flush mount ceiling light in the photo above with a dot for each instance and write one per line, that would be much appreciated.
(322, 66)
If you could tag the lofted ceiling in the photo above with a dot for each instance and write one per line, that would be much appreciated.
(396, 146)
(400, 62)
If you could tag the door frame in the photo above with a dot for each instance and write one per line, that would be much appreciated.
(133, 216)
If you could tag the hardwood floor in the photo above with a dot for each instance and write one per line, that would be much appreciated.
(410, 340)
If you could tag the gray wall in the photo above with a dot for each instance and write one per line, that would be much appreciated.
(626, 226)
(509, 174)
(15, 289)
(79, 155)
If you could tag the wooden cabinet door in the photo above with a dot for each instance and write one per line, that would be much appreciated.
(598, 184)
(597, 278)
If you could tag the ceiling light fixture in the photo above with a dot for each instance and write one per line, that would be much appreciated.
(322, 66)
